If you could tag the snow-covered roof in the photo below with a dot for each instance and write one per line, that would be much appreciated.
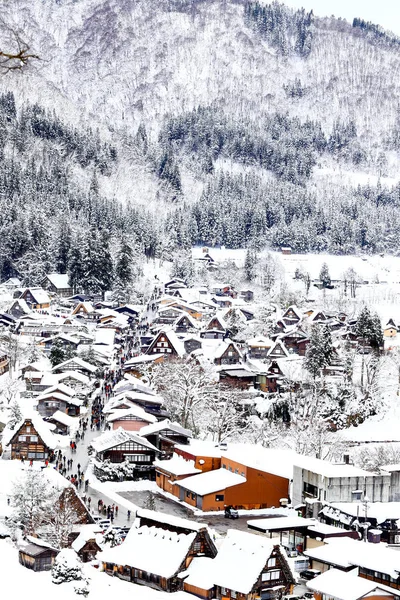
(278, 462)
(200, 448)
(84, 379)
(346, 586)
(211, 481)
(240, 560)
(87, 307)
(134, 411)
(110, 439)
(223, 346)
(42, 428)
(200, 573)
(166, 424)
(87, 532)
(40, 295)
(59, 280)
(177, 465)
(71, 422)
(290, 522)
(62, 388)
(259, 342)
(327, 469)
(133, 384)
(76, 361)
(152, 549)
(57, 396)
(346, 552)
(22, 304)
(169, 519)
(376, 510)
(137, 397)
(173, 339)
(104, 336)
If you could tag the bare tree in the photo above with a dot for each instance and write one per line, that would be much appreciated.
(184, 386)
(15, 51)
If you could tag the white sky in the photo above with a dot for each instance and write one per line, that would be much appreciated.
(382, 12)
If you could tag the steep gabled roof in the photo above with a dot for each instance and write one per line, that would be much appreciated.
(59, 280)
(173, 340)
(240, 560)
(166, 424)
(111, 439)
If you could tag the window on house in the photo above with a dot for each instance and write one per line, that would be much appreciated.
(233, 594)
(310, 490)
(271, 562)
(237, 471)
(193, 496)
(271, 575)
(34, 438)
(230, 469)
(242, 474)
(223, 591)
(219, 497)
(22, 438)
(187, 494)
(28, 429)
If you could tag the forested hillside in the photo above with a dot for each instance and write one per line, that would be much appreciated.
(147, 127)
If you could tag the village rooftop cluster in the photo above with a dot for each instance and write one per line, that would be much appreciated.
(332, 524)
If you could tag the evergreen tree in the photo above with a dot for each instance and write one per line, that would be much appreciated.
(317, 354)
(324, 276)
(250, 264)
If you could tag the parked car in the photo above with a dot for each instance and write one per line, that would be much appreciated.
(309, 574)
(231, 513)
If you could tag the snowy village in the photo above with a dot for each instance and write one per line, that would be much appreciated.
(200, 300)
(177, 445)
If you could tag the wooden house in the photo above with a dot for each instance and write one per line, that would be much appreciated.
(57, 283)
(249, 566)
(32, 440)
(213, 334)
(133, 418)
(259, 347)
(168, 343)
(227, 353)
(85, 310)
(168, 315)
(76, 364)
(64, 424)
(346, 586)
(36, 298)
(120, 445)
(51, 402)
(246, 295)
(185, 323)
(390, 330)
(191, 343)
(19, 308)
(87, 543)
(206, 456)
(217, 323)
(238, 376)
(157, 549)
(292, 338)
(278, 350)
(165, 435)
(37, 555)
(7, 321)
(292, 315)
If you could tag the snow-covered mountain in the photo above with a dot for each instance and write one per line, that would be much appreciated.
(236, 122)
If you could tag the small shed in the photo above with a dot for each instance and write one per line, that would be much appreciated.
(38, 555)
